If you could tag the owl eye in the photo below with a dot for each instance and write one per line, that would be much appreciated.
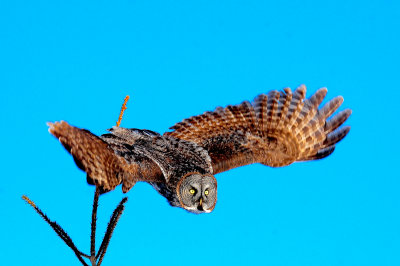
(206, 192)
(192, 191)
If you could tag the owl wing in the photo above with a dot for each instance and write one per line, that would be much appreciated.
(130, 155)
(174, 157)
(101, 161)
(275, 130)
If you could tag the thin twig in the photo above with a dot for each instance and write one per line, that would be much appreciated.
(93, 227)
(60, 232)
(123, 108)
(107, 236)
(110, 229)
(85, 255)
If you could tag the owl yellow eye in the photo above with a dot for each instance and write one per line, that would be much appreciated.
(192, 191)
(206, 192)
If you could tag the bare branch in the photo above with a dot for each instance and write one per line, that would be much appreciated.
(93, 227)
(59, 231)
(110, 229)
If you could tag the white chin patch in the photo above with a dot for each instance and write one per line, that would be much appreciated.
(195, 210)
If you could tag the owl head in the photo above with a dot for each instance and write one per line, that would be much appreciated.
(197, 193)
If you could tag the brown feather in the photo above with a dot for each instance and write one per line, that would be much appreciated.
(336, 121)
(295, 107)
(276, 130)
(92, 155)
(336, 136)
(260, 108)
(285, 100)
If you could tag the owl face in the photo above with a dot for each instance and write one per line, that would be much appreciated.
(197, 193)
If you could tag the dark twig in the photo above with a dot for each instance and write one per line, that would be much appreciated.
(93, 227)
(85, 255)
(95, 260)
(110, 229)
(60, 232)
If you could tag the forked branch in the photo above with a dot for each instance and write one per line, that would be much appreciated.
(95, 259)
(60, 232)
(110, 229)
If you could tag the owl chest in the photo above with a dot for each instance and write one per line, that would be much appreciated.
(167, 191)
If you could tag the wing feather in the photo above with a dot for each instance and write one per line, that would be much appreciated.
(277, 129)
(272, 109)
(285, 100)
(103, 167)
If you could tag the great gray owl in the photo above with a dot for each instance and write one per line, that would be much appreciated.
(275, 130)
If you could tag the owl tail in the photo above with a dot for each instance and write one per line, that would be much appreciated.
(300, 126)
(91, 154)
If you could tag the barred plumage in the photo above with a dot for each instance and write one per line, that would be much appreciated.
(277, 129)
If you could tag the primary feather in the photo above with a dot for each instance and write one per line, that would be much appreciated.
(277, 129)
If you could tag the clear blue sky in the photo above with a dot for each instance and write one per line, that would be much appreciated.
(75, 61)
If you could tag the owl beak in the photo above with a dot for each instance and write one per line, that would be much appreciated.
(200, 207)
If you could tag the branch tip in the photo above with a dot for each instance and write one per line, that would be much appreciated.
(123, 108)
(29, 201)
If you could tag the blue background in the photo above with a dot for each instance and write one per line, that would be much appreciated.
(75, 61)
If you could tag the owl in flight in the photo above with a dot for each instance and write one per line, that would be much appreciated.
(276, 129)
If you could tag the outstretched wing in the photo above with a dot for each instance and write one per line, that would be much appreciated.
(106, 164)
(276, 130)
